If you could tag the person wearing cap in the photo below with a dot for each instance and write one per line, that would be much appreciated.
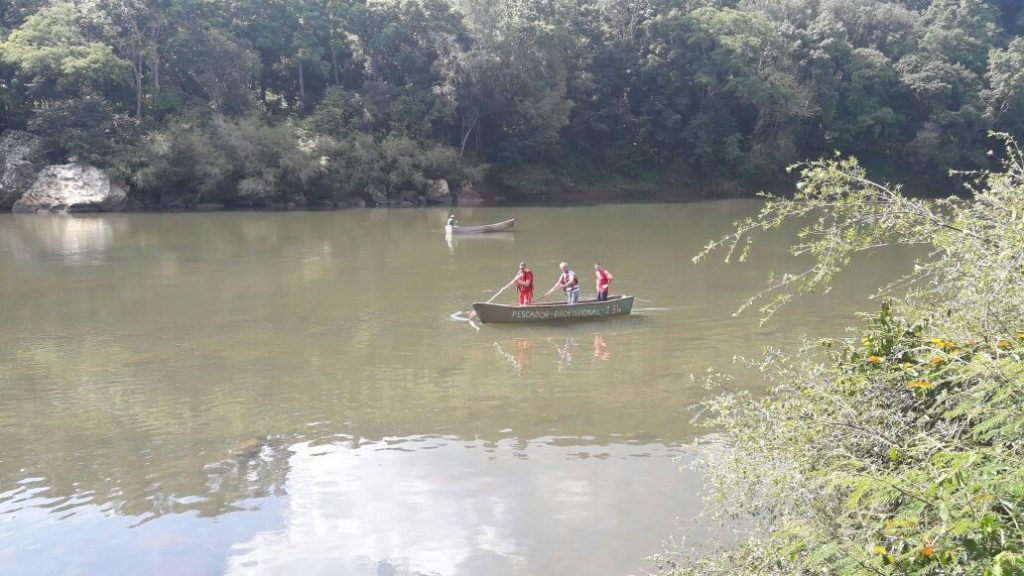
(524, 283)
(568, 282)
(604, 278)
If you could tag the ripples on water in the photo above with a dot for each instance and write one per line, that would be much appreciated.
(346, 505)
(289, 393)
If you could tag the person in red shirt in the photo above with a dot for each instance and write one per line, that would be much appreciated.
(524, 283)
(604, 278)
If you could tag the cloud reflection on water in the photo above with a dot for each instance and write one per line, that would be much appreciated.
(438, 505)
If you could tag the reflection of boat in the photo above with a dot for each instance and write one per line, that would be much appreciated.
(453, 240)
(496, 227)
(584, 310)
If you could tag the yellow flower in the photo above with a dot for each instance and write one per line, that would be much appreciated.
(939, 342)
(937, 360)
(929, 547)
(920, 384)
(874, 359)
(1003, 344)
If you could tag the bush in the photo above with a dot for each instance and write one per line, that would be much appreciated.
(901, 452)
(245, 162)
(362, 165)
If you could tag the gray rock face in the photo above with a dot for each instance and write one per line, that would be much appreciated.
(468, 196)
(438, 192)
(67, 188)
(21, 159)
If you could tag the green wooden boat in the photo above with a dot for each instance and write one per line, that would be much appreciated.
(555, 311)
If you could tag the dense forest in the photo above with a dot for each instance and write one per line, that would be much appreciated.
(247, 102)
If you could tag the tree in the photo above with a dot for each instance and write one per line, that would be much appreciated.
(57, 57)
(897, 452)
(949, 113)
(244, 162)
(1005, 96)
(90, 129)
(961, 31)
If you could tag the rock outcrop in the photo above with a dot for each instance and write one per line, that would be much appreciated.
(468, 196)
(67, 188)
(21, 159)
(438, 192)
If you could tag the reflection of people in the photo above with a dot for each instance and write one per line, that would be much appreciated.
(604, 278)
(524, 358)
(567, 282)
(565, 352)
(524, 283)
(600, 348)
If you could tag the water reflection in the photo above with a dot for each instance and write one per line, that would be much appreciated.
(565, 352)
(519, 354)
(437, 505)
(453, 240)
(403, 506)
(207, 484)
(75, 239)
(601, 352)
(159, 409)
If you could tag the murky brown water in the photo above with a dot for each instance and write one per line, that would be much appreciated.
(279, 393)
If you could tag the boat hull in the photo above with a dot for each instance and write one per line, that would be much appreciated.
(496, 227)
(584, 310)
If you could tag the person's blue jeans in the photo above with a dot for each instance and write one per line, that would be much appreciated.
(574, 295)
(602, 296)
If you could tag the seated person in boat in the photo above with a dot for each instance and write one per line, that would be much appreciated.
(524, 283)
(567, 282)
(604, 278)
(451, 221)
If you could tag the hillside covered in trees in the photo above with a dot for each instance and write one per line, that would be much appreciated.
(247, 102)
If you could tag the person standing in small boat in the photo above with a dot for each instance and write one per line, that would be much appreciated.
(567, 282)
(524, 283)
(604, 278)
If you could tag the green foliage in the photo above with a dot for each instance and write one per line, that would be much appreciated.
(385, 170)
(338, 115)
(898, 452)
(1005, 97)
(53, 51)
(90, 130)
(242, 162)
(703, 91)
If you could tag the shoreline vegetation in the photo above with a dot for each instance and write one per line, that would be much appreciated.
(897, 451)
(328, 103)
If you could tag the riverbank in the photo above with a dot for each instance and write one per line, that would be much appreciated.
(35, 179)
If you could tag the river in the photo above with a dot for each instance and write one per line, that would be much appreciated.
(290, 393)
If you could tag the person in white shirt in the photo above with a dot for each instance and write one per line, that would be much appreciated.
(568, 282)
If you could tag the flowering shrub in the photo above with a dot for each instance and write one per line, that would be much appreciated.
(903, 453)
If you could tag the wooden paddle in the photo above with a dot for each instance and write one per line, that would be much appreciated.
(472, 313)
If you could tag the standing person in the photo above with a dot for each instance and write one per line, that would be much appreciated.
(524, 282)
(567, 282)
(604, 278)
